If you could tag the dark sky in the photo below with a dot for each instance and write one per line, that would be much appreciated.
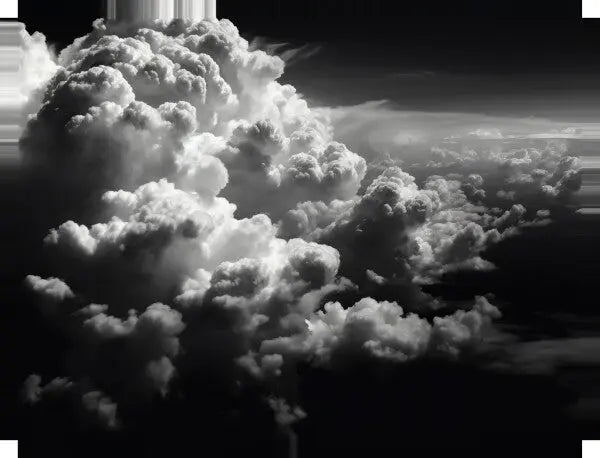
(525, 58)
(489, 34)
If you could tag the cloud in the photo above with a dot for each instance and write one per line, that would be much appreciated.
(546, 356)
(404, 231)
(33, 389)
(287, 171)
(38, 66)
(284, 414)
(288, 52)
(506, 152)
(383, 330)
(52, 289)
(93, 407)
(203, 219)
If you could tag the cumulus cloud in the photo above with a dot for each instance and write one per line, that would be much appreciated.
(93, 407)
(147, 344)
(284, 414)
(301, 167)
(51, 290)
(401, 230)
(523, 158)
(33, 391)
(37, 67)
(383, 330)
(174, 169)
(535, 175)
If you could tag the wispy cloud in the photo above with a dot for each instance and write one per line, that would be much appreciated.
(389, 127)
(289, 52)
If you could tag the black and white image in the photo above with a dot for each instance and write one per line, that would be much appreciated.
(299, 229)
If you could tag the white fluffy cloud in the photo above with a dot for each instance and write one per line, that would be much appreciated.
(404, 231)
(383, 330)
(38, 66)
(52, 289)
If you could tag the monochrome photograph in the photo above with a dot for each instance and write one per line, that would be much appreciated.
(299, 229)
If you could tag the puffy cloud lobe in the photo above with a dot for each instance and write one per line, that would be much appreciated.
(52, 289)
(94, 407)
(143, 143)
(163, 231)
(284, 414)
(194, 288)
(530, 175)
(131, 357)
(198, 168)
(149, 343)
(33, 391)
(242, 278)
(492, 173)
(38, 67)
(449, 244)
(395, 197)
(404, 231)
(149, 60)
(463, 329)
(377, 231)
(210, 81)
(102, 408)
(266, 366)
(263, 292)
(375, 278)
(311, 219)
(456, 236)
(382, 330)
(511, 217)
(265, 160)
(312, 263)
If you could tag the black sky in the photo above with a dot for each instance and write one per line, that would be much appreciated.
(515, 58)
(496, 36)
